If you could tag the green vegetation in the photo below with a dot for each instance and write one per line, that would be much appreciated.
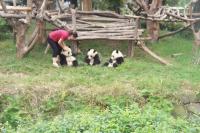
(5, 31)
(139, 96)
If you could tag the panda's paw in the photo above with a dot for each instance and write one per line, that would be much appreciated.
(56, 65)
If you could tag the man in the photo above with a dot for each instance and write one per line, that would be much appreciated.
(56, 40)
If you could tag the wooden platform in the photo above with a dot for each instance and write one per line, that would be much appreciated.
(97, 25)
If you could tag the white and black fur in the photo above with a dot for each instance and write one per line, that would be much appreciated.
(66, 58)
(116, 59)
(92, 58)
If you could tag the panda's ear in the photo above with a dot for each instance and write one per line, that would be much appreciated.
(89, 49)
(117, 51)
(94, 51)
(69, 46)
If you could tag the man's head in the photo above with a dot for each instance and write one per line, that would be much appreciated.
(72, 35)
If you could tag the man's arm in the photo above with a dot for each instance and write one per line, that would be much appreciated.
(61, 43)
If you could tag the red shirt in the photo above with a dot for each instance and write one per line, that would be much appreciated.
(59, 34)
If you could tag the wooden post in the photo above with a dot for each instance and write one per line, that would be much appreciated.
(74, 43)
(131, 43)
(14, 32)
(130, 49)
(63, 2)
(87, 5)
(14, 3)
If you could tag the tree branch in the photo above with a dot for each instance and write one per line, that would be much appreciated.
(174, 32)
(3, 6)
(147, 50)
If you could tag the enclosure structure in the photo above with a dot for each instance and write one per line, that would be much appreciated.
(90, 25)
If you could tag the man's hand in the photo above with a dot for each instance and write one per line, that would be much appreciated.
(65, 48)
(61, 43)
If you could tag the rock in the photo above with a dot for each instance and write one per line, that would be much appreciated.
(187, 97)
(179, 111)
(194, 108)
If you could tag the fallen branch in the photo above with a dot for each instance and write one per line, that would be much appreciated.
(147, 50)
(177, 54)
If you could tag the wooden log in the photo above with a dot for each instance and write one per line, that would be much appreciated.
(86, 5)
(14, 3)
(17, 8)
(74, 43)
(61, 16)
(176, 54)
(107, 34)
(112, 38)
(102, 13)
(174, 32)
(152, 19)
(60, 8)
(87, 28)
(147, 50)
(3, 6)
(112, 31)
(182, 18)
(99, 19)
(130, 48)
(8, 15)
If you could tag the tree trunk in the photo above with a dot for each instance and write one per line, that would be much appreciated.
(42, 33)
(87, 5)
(195, 7)
(196, 48)
(20, 29)
(153, 27)
(42, 25)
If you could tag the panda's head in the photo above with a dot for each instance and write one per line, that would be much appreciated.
(91, 54)
(67, 52)
(116, 54)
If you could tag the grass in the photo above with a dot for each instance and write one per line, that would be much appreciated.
(39, 90)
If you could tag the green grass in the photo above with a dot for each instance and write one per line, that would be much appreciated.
(31, 89)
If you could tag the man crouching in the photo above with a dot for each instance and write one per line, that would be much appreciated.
(56, 40)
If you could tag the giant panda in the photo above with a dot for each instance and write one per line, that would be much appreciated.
(92, 58)
(116, 59)
(66, 58)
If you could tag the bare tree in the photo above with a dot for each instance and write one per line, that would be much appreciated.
(195, 6)
(150, 7)
(20, 22)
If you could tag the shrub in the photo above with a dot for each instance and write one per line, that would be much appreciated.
(115, 119)
(6, 29)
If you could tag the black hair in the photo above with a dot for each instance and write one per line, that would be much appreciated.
(74, 34)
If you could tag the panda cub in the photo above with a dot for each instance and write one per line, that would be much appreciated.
(92, 57)
(116, 59)
(66, 58)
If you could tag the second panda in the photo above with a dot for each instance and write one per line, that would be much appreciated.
(92, 58)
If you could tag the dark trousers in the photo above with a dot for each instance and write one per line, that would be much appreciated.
(55, 47)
